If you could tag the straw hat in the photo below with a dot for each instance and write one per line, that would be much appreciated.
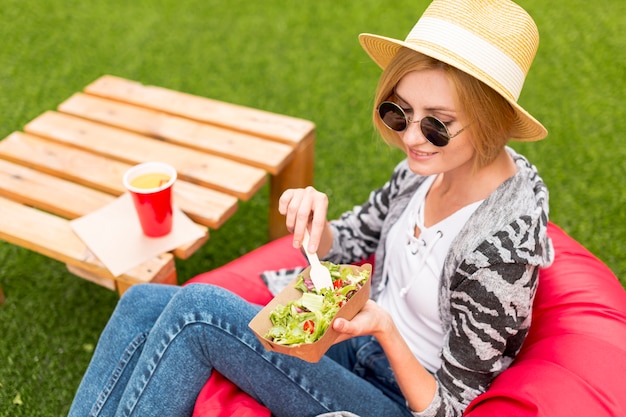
(494, 41)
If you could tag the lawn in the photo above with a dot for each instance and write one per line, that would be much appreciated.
(301, 59)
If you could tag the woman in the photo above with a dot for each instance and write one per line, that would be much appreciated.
(458, 232)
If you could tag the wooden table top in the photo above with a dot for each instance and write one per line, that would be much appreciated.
(69, 162)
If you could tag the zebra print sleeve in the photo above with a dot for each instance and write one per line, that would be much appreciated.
(490, 312)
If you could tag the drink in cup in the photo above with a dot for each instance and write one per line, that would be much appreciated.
(150, 185)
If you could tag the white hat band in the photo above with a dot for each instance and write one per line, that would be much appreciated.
(468, 46)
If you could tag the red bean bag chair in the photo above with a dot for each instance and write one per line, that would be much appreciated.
(572, 363)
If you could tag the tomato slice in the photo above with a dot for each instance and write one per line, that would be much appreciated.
(309, 326)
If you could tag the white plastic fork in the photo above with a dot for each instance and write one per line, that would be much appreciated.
(320, 275)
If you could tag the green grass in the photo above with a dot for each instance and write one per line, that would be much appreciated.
(298, 58)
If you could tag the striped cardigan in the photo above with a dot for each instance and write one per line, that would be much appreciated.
(488, 281)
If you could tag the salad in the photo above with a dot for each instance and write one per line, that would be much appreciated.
(305, 320)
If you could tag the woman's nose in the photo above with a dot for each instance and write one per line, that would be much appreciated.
(413, 135)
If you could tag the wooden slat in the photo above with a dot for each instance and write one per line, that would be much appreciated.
(251, 150)
(73, 164)
(53, 237)
(279, 127)
(55, 195)
(64, 198)
(204, 206)
(219, 173)
(167, 275)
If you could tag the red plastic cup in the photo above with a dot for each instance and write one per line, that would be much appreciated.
(150, 185)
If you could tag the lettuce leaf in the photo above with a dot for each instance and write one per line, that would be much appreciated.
(305, 319)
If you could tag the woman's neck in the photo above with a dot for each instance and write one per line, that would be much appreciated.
(454, 190)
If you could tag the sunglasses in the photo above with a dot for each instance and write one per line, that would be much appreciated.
(433, 129)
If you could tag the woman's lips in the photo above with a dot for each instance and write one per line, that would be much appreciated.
(421, 155)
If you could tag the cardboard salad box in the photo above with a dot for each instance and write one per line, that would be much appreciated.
(310, 352)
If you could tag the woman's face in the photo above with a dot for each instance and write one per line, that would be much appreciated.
(430, 93)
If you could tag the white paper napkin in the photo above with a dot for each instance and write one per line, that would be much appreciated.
(114, 235)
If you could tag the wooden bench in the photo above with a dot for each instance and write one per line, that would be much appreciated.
(70, 162)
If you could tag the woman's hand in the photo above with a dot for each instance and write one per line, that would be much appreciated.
(371, 320)
(303, 207)
(416, 383)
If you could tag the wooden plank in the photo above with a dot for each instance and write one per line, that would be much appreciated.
(224, 175)
(274, 126)
(53, 237)
(251, 150)
(55, 195)
(63, 161)
(92, 276)
(204, 206)
(167, 275)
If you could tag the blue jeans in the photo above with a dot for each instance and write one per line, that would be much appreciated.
(162, 343)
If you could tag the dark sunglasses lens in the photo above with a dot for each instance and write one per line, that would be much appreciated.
(435, 131)
(392, 116)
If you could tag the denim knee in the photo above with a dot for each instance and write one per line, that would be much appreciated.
(137, 292)
(145, 301)
(142, 292)
(212, 304)
(204, 296)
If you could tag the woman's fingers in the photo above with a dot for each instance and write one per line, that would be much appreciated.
(288, 205)
(304, 208)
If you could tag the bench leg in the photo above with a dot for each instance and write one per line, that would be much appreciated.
(2, 297)
(297, 174)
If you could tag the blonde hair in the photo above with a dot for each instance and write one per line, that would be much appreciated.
(490, 116)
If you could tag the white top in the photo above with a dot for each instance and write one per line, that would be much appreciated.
(412, 270)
